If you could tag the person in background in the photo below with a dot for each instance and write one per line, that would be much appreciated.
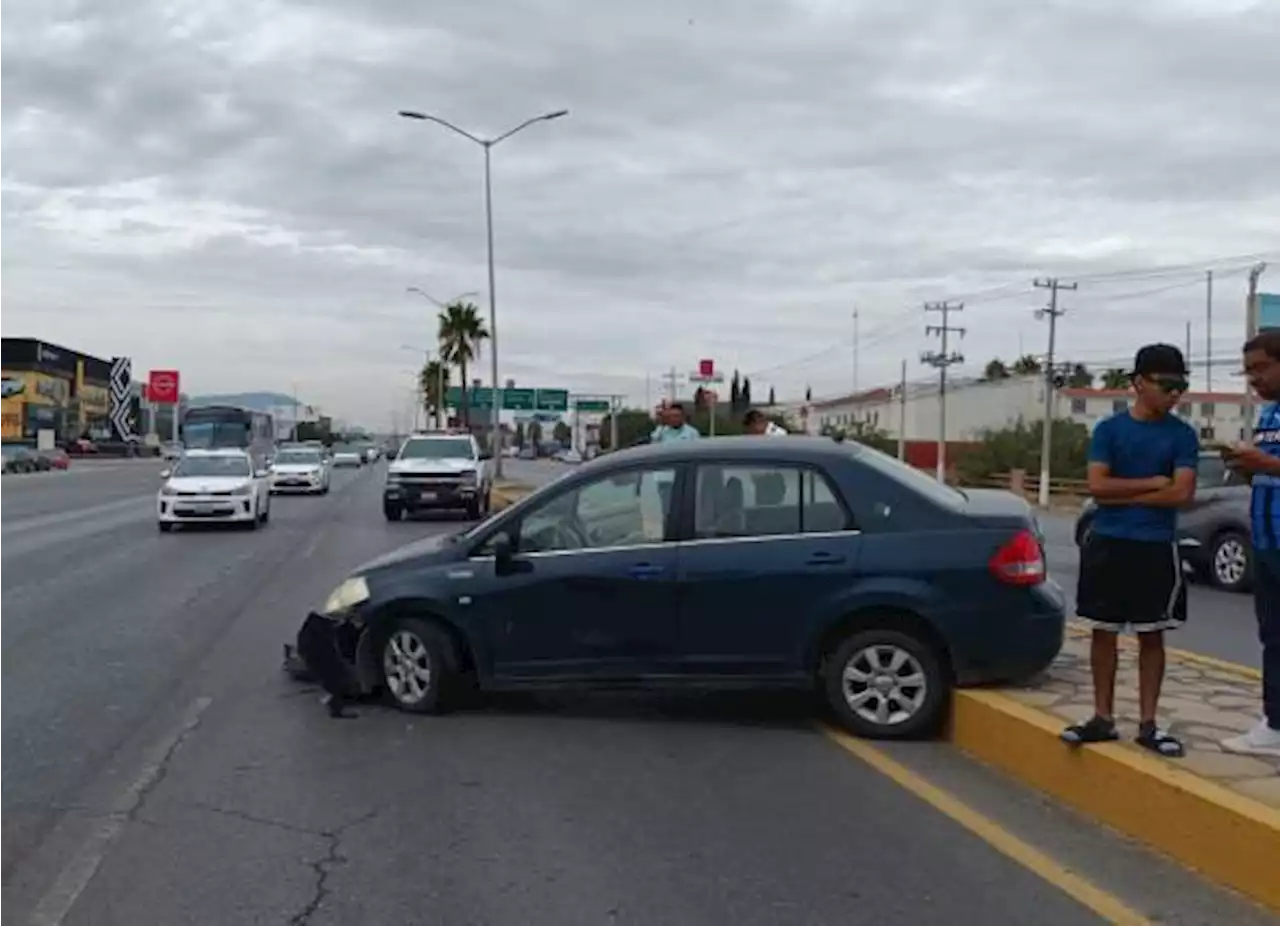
(1260, 460)
(1142, 469)
(673, 424)
(755, 423)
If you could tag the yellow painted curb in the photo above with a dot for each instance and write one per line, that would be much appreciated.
(1228, 837)
(506, 495)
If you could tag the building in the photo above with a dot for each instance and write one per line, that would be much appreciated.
(975, 406)
(54, 388)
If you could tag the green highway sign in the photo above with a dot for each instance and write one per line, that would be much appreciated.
(553, 400)
(526, 400)
(591, 405)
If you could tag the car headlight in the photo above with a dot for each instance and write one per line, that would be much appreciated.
(246, 489)
(168, 490)
(393, 477)
(468, 475)
(350, 593)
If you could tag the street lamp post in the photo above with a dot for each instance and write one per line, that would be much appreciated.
(487, 144)
(426, 354)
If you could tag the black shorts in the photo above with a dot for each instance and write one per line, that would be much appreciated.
(1134, 584)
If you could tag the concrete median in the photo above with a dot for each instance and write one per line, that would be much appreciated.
(1215, 812)
(508, 493)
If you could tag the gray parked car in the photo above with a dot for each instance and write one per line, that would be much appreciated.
(1213, 534)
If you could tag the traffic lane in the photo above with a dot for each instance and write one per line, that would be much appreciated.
(624, 809)
(1219, 624)
(99, 628)
(84, 486)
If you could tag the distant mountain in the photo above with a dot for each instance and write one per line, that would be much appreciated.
(260, 401)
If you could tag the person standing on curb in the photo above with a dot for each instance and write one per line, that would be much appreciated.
(1260, 460)
(1142, 468)
(756, 424)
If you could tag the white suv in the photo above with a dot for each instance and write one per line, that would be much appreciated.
(438, 471)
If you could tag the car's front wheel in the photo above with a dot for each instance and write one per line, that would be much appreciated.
(415, 666)
(1231, 561)
(886, 684)
(393, 512)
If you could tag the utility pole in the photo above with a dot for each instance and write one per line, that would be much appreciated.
(1208, 331)
(1188, 357)
(1251, 329)
(855, 351)
(670, 381)
(1053, 284)
(941, 360)
(902, 413)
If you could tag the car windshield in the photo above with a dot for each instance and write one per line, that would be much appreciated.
(298, 457)
(212, 466)
(437, 448)
(910, 477)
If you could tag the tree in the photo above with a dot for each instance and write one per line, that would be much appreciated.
(1115, 378)
(562, 433)
(520, 435)
(1080, 377)
(1027, 365)
(772, 398)
(461, 333)
(1018, 447)
(745, 394)
(735, 392)
(434, 375)
(995, 370)
(633, 424)
(535, 433)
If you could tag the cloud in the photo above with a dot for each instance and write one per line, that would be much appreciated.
(226, 189)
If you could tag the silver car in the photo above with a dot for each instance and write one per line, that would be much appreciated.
(1213, 533)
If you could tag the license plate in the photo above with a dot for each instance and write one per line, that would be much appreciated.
(204, 508)
(428, 496)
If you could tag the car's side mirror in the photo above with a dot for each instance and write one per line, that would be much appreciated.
(486, 455)
(504, 557)
(166, 473)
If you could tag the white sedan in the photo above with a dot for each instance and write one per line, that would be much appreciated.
(300, 469)
(213, 486)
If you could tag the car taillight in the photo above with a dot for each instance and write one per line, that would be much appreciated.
(1020, 561)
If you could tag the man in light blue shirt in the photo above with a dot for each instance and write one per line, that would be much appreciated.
(673, 425)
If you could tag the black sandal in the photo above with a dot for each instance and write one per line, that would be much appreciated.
(1094, 730)
(1160, 742)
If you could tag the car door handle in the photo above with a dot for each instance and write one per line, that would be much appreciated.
(645, 571)
(825, 559)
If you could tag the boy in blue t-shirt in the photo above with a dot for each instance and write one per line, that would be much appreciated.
(1261, 461)
(1142, 468)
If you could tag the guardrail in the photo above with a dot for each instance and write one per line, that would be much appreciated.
(1061, 491)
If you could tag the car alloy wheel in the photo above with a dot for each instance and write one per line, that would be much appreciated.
(887, 684)
(415, 667)
(1230, 568)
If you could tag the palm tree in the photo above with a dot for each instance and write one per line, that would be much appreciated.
(461, 333)
(433, 381)
(1026, 365)
(995, 369)
(1080, 377)
(1115, 378)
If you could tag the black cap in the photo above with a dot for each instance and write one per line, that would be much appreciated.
(1159, 360)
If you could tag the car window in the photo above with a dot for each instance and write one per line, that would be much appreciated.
(437, 448)
(625, 509)
(762, 501)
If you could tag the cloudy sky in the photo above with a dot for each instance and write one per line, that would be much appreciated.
(224, 187)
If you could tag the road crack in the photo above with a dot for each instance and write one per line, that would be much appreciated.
(323, 867)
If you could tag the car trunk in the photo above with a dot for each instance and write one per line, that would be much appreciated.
(999, 508)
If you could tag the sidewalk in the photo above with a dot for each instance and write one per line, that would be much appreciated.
(1216, 812)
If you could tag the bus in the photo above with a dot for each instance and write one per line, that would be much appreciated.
(207, 427)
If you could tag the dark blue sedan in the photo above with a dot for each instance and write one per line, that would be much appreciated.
(789, 562)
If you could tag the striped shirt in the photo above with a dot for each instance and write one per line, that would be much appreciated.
(1264, 507)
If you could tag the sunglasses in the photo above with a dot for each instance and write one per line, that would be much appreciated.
(1169, 383)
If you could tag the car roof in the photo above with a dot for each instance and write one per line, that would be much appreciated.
(793, 447)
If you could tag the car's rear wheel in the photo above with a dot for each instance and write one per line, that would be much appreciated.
(415, 665)
(885, 684)
(1231, 561)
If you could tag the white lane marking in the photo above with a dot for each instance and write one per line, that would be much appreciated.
(75, 514)
(79, 872)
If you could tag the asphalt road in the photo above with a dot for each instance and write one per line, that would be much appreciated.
(159, 768)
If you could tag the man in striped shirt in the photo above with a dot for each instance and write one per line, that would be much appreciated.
(1260, 459)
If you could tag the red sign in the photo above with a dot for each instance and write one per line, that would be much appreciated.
(706, 367)
(162, 387)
